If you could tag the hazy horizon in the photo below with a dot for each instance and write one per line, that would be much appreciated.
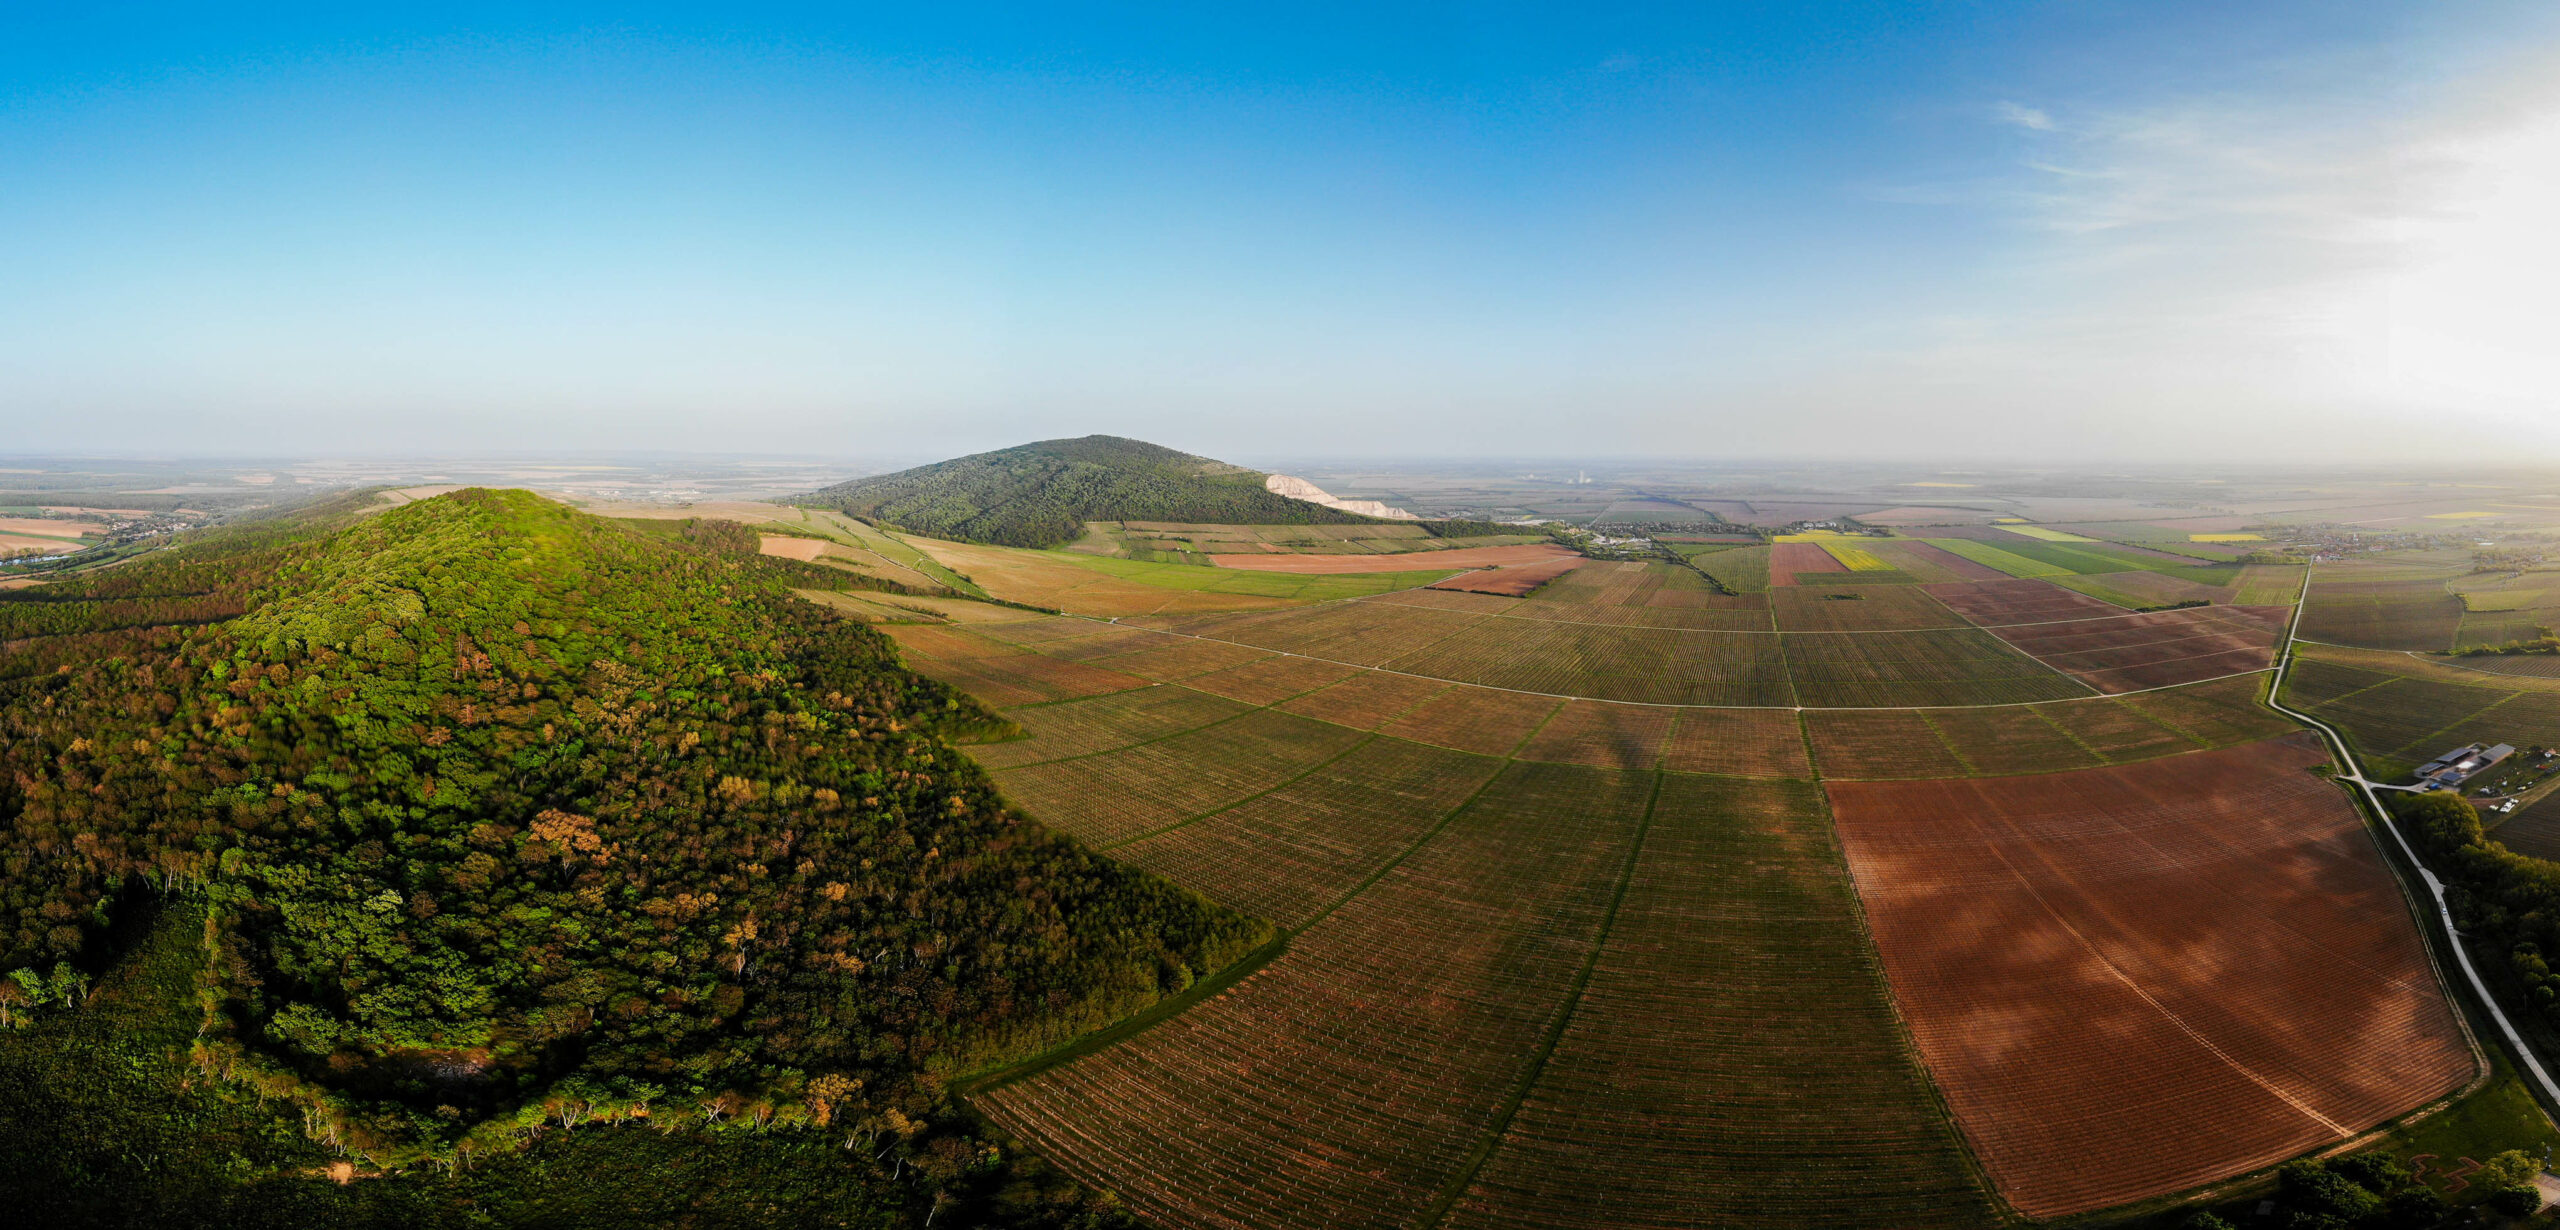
(2054, 234)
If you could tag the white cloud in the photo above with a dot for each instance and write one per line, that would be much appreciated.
(2278, 271)
(2022, 116)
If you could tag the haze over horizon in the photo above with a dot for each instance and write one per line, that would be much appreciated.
(2049, 233)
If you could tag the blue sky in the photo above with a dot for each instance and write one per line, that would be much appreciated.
(2025, 232)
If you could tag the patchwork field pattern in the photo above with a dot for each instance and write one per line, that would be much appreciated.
(1097, 585)
(1931, 565)
(1900, 669)
(1420, 561)
(2380, 607)
(1789, 561)
(1534, 941)
(1347, 1083)
(1577, 915)
(1292, 853)
(1814, 608)
(1512, 580)
(1644, 665)
(1732, 975)
(2402, 711)
(2064, 949)
(2132, 653)
(1144, 788)
(1743, 570)
(1999, 604)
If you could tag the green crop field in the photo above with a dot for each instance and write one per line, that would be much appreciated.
(1484, 734)
(2401, 711)
(1744, 570)
(1735, 920)
(1653, 665)
(2002, 558)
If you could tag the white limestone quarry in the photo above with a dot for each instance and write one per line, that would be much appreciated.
(1301, 489)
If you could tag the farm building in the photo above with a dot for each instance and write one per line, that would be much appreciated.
(2462, 764)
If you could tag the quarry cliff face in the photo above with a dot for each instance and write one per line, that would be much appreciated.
(1301, 489)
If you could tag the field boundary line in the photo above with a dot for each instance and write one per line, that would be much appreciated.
(1657, 704)
(1273, 707)
(1949, 744)
(1964, 622)
(1535, 731)
(2430, 736)
(2146, 644)
(1165, 1009)
(2022, 651)
(1304, 774)
(1417, 843)
(1464, 1176)
(2078, 742)
(2380, 816)
(2113, 970)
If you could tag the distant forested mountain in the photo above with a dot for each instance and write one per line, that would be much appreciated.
(502, 815)
(1040, 495)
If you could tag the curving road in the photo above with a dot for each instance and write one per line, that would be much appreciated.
(2550, 1092)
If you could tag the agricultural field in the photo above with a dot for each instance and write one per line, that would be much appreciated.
(1732, 963)
(2045, 534)
(1510, 581)
(2400, 711)
(1998, 559)
(2134, 653)
(1874, 608)
(1095, 585)
(2125, 1010)
(1604, 837)
(2000, 604)
(1353, 1079)
(1791, 562)
(2007, 740)
(1744, 570)
(1169, 542)
(1442, 562)
(1929, 564)
(1952, 666)
(2384, 604)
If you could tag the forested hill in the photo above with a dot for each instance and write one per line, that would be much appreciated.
(1040, 495)
(505, 814)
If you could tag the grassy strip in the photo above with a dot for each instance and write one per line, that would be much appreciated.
(1165, 1009)
(1501, 1125)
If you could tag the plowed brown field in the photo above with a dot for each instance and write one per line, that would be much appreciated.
(2161, 649)
(2020, 600)
(2130, 981)
(1786, 559)
(1419, 561)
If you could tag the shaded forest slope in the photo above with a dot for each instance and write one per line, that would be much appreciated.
(1040, 495)
(502, 813)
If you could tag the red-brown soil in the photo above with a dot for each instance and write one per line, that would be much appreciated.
(1417, 561)
(1786, 559)
(2130, 653)
(1908, 553)
(2019, 600)
(2133, 980)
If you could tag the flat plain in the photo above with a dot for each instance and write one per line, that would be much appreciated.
(1583, 881)
(2222, 916)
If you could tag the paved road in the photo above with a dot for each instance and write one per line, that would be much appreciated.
(2550, 1091)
